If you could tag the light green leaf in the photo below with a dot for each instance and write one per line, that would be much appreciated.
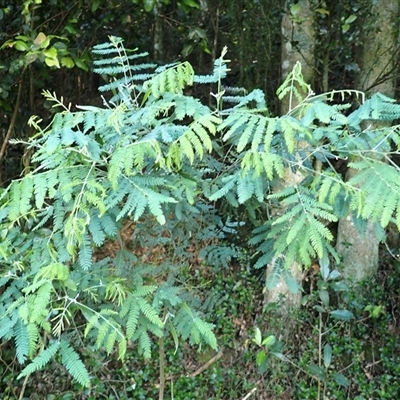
(261, 357)
(67, 62)
(50, 53)
(21, 46)
(257, 336)
(52, 62)
(149, 5)
(269, 341)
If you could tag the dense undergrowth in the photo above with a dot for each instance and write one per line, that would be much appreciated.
(365, 350)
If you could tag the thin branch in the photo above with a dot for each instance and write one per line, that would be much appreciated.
(12, 123)
(249, 394)
(206, 365)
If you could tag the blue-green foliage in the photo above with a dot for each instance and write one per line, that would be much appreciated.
(98, 169)
(174, 169)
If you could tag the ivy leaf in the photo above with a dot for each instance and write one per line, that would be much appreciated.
(67, 62)
(52, 62)
(21, 46)
(51, 53)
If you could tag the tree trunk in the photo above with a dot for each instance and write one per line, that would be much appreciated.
(298, 41)
(360, 250)
(158, 50)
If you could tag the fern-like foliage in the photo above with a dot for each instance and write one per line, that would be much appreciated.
(98, 169)
(274, 158)
(171, 168)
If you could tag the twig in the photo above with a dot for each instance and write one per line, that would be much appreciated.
(206, 365)
(21, 395)
(249, 394)
(162, 370)
(11, 126)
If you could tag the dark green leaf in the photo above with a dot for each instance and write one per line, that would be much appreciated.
(320, 309)
(340, 379)
(317, 371)
(324, 296)
(342, 314)
(327, 355)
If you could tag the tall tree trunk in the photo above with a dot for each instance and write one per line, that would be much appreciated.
(377, 62)
(298, 42)
(158, 51)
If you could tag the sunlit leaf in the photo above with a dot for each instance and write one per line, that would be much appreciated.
(21, 46)
(52, 62)
(67, 62)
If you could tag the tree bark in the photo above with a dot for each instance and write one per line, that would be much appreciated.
(377, 63)
(298, 42)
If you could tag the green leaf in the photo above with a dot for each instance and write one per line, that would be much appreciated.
(278, 355)
(345, 27)
(334, 275)
(67, 62)
(342, 314)
(327, 355)
(190, 3)
(257, 336)
(340, 379)
(317, 371)
(324, 267)
(261, 357)
(80, 63)
(95, 5)
(295, 9)
(174, 336)
(319, 309)
(324, 296)
(51, 53)
(350, 19)
(149, 5)
(52, 62)
(71, 361)
(40, 360)
(41, 40)
(269, 341)
(21, 46)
